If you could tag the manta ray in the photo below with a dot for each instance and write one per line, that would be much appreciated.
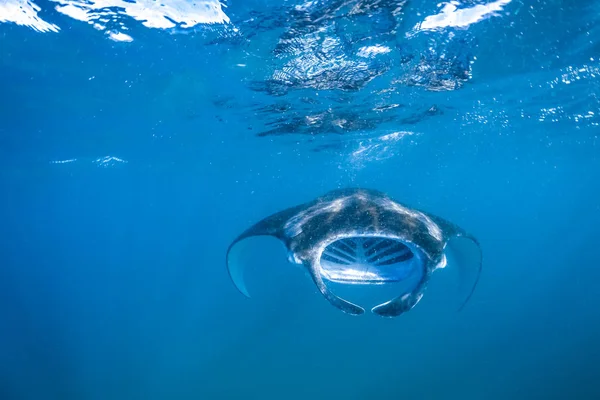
(364, 237)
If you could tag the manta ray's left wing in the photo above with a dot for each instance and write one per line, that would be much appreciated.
(269, 226)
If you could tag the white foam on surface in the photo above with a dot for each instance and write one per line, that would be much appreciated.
(152, 14)
(25, 13)
(162, 14)
(453, 17)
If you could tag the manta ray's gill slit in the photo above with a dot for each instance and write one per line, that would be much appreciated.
(397, 259)
(350, 242)
(332, 251)
(343, 245)
(395, 251)
(333, 259)
(379, 246)
(366, 243)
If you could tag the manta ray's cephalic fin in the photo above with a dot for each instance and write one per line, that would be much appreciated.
(336, 301)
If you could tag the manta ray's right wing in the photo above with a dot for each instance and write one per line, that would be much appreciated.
(464, 254)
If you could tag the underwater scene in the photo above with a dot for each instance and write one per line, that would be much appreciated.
(296, 199)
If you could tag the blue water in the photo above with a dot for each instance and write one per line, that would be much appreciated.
(129, 163)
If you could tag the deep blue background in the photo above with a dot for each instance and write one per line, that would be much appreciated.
(112, 278)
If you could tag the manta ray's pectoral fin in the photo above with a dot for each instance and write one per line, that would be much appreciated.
(464, 254)
(336, 301)
(236, 264)
(268, 228)
(398, 305)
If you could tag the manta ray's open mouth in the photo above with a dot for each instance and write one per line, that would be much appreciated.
(367, 260)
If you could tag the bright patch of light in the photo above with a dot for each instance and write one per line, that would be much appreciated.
(394, 136)
(350, 275)
(74, 12)
(150, 13)
(23, 12)
(120, 37)
(63, 161)
(451, 16)
(377, 149)
(163, 14)
(109, 161)
(372, 51)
